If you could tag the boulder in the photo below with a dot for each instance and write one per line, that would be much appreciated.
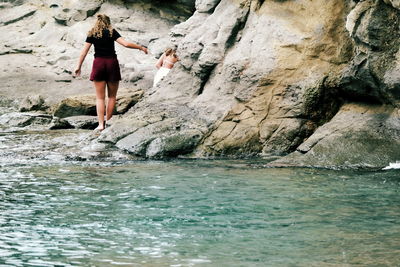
(359, 136)
(127, 100)
(82, 122)
(138, 141)
(76, 105)
(33, 103)
(180, 143)
(58, 123)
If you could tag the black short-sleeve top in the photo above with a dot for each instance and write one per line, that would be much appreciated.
(104, 46)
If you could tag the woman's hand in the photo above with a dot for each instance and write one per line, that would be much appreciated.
(77, 72)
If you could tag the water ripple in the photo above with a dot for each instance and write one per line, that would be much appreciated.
(172, 214)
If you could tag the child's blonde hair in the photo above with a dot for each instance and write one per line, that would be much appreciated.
(170, 51)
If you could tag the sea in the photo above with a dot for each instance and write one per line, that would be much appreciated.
(194, 213)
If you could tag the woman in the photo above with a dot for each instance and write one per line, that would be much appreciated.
(165, 64)
(105, 70)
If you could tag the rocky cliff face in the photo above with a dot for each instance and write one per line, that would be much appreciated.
(313, 82)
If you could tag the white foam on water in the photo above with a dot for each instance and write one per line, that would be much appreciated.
(391, 166)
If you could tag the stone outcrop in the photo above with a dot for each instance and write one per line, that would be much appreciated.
(76, 105)
(366, 133)
(244, 84)
(316, 83)
(358, 136)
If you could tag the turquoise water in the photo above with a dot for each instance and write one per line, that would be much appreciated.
(196, 213)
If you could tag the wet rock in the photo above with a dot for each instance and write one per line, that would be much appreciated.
(82, 122)
(180, 143)
(16, 119)
(57, 124)
(138, 141)
(359, 136)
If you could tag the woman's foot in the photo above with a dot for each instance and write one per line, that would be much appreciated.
(101, 126)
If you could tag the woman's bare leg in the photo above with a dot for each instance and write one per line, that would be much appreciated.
(112, 89)
(100, 102)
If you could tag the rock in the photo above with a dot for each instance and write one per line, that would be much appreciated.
(76, 105)
(371, 29)
(135, 76)
(180, 143)
(138, 141)
(86, 104)
(393, 3)
(392, 80)
(82, 122)
(17, 13)
(289, 134)
(16, 119)
(70, 12)
(176, 11)
(127, 100)
(354, 17)
(370, 75)
(206, 6)
(58, 123)
(33, 103)
(359, 136)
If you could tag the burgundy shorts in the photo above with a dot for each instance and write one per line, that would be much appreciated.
(105, 69)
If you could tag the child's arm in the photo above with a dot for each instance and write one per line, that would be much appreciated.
(160, 61)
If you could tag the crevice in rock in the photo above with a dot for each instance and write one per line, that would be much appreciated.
(91, 12)
(358, 22)
(259, 4)
(205, 77)
(20, 18)
(324, 106)
(236, 30)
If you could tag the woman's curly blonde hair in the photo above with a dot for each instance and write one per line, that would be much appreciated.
(103, 23)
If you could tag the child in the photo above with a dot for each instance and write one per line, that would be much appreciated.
(165, 64)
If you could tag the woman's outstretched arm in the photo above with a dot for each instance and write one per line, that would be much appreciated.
(82, 57)
(127, 44)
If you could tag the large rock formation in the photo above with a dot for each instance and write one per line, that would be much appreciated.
(261, 78)
(316, 82)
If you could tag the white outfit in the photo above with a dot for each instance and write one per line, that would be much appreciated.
(161, 73)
